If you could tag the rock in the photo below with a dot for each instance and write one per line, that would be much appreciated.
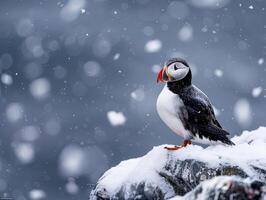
(163, 174)
(185, 175)
(225, 187)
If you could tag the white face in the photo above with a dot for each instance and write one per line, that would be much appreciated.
(177, 71)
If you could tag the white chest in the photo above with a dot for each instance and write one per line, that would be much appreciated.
(168, 107)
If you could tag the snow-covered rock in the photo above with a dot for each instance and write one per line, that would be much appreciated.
(227, 187)
(163, 174)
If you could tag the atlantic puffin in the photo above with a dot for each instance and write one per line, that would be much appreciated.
(185, 109)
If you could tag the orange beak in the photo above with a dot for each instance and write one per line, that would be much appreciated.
(160, 75)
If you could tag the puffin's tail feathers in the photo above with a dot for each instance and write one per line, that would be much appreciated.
(227, 141)
(224, 139)
(215, 133)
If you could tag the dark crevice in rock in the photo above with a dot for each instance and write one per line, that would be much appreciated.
(178, 184)
(260, 171)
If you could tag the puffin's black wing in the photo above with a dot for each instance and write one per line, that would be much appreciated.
(201, 121)
(215, 121)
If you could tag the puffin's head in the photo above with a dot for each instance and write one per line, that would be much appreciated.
(175, 69)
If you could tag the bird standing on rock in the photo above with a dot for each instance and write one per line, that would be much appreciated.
(185, 109)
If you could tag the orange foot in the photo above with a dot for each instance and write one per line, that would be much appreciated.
(185, 143)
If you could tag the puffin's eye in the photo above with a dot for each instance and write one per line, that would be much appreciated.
(175, 68)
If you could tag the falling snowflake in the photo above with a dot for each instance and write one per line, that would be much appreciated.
(218, 72)
(186, 33)
(14, 112)
(116, 118)
(242, 112)
(256, 92)
(6, 79)
(40, 88)
(71, 186)
(116, 56)
(138, 95)
(153, 46)
(25, 152)
(260, 61)
(37, 194)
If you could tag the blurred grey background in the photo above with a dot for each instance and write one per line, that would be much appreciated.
(78, 82)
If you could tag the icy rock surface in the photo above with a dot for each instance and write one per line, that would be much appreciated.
(162, 174)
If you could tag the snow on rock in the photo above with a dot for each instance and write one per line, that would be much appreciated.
(134, 171)
(162, 174)
(116, 118)
(226, 187)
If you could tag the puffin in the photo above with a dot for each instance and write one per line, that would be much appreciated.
(185, 109)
